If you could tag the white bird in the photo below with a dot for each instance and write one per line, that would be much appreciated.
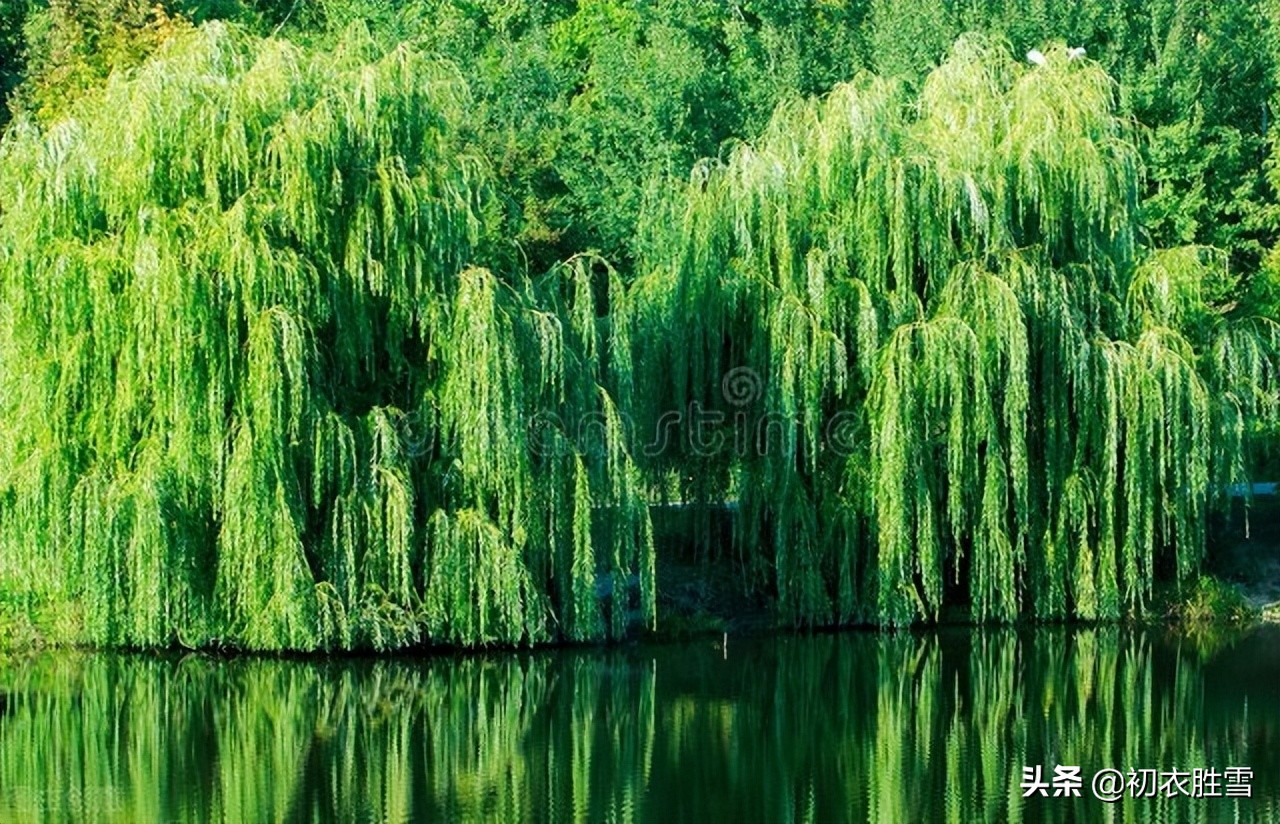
(1036, 57)
(1074, 52)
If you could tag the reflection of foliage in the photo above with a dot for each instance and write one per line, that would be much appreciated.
(853, 728)
(1209, 639)
(243, 740)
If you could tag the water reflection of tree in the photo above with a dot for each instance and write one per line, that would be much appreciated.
(830, 728)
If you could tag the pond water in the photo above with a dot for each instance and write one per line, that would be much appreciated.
(865, 727)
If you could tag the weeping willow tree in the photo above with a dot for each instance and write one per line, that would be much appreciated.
(972, 383)
(256, 390)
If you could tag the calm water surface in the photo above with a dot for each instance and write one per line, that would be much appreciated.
(851, 727)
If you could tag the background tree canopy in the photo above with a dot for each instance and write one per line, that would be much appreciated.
(327, 324)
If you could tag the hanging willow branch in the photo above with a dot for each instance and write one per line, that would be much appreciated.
(254, 391)
(1043, 410)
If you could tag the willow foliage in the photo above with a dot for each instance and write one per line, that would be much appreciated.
(255, 391)
(989, 393)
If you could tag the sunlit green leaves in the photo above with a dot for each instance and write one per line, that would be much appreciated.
(254, 391)
(1044, 418)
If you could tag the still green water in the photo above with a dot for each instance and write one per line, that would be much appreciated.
(850, 727)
